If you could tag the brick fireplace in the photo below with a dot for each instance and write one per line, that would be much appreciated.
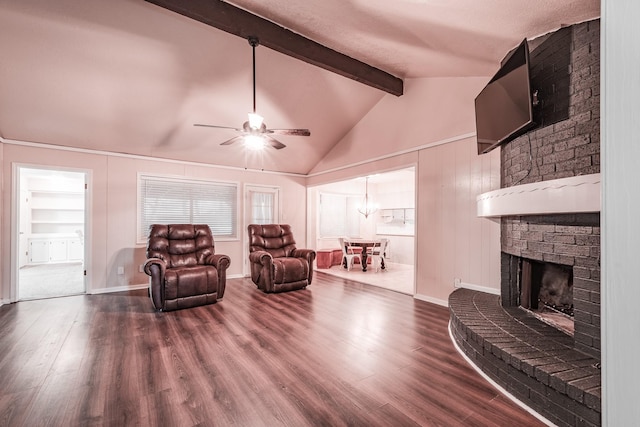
(570, 240)
(548, 207)
(567, 144)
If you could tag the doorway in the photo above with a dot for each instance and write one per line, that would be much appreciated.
(336, 211)
(51, 218)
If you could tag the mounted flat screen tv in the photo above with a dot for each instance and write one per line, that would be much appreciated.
(504, 108)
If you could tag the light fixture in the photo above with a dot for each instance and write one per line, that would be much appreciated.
(254, 142)
(367, 208)
(255, 134)
(255, 121)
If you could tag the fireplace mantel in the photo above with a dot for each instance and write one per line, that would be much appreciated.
(577, 194)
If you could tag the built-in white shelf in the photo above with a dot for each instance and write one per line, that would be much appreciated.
(56, 212)
(577, 194)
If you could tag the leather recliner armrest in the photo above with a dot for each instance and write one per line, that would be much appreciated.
(151, 261)
(156, 268)
(219, 261)
(261, 257)
(308, 254)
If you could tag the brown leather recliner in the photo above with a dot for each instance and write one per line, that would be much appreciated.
(276, 264)
(184, 268)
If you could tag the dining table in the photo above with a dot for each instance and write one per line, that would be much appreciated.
(364, 244)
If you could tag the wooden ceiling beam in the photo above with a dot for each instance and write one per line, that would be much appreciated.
(241, 23)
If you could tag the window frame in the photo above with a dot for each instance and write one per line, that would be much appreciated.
(263, 189)
(142, 235)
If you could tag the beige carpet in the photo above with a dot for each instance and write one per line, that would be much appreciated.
(50, 280)
(396, 277)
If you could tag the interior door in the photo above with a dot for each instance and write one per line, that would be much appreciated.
(261, 206)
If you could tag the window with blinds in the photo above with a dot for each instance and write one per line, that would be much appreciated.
(164, 200)
(339, 215)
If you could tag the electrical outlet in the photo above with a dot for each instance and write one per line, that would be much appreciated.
(120, 270)
(141, 268)
(457, 282)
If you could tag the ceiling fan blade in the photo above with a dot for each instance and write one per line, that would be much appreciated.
(274, 142)
(219, 127)
(232, 140)
(295, 132)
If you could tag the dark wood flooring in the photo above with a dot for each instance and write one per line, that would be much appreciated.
(339, 353)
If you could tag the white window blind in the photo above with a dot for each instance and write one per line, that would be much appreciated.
(339, 215)
(164, 200)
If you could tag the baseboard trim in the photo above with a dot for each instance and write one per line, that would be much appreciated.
(118, 289)
(443, 303)
(478, 288)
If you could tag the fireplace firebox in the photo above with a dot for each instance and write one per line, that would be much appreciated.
(563, 251)
(546, 290)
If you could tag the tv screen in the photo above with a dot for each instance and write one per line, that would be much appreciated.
(503, 108)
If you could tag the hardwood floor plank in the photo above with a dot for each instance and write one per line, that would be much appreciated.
(14, 407)
(50, 401)
(38, 347)
(338, 353)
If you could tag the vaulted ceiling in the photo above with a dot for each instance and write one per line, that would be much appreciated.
(133, 77)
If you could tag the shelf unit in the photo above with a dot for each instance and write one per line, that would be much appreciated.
(56, 226)
(53, 212)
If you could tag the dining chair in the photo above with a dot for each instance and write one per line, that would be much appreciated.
(349, 253)
(377, 254)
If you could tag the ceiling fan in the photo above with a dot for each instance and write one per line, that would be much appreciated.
(254, 131)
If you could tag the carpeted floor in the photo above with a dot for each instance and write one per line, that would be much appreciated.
(50, 280)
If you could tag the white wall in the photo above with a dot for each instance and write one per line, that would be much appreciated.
(432, 126)
(620, 130)
(113, 207)
(430, 111)
(453, 243)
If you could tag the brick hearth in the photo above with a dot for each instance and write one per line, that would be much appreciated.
(533, 361)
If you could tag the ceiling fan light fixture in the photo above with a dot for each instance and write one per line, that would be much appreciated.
(255, 121)
(256, 136)
(254, 142)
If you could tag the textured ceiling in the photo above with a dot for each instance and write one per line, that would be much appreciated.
(424, 38)
(128, 76)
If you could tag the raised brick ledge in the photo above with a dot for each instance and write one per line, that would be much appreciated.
(533, 361)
